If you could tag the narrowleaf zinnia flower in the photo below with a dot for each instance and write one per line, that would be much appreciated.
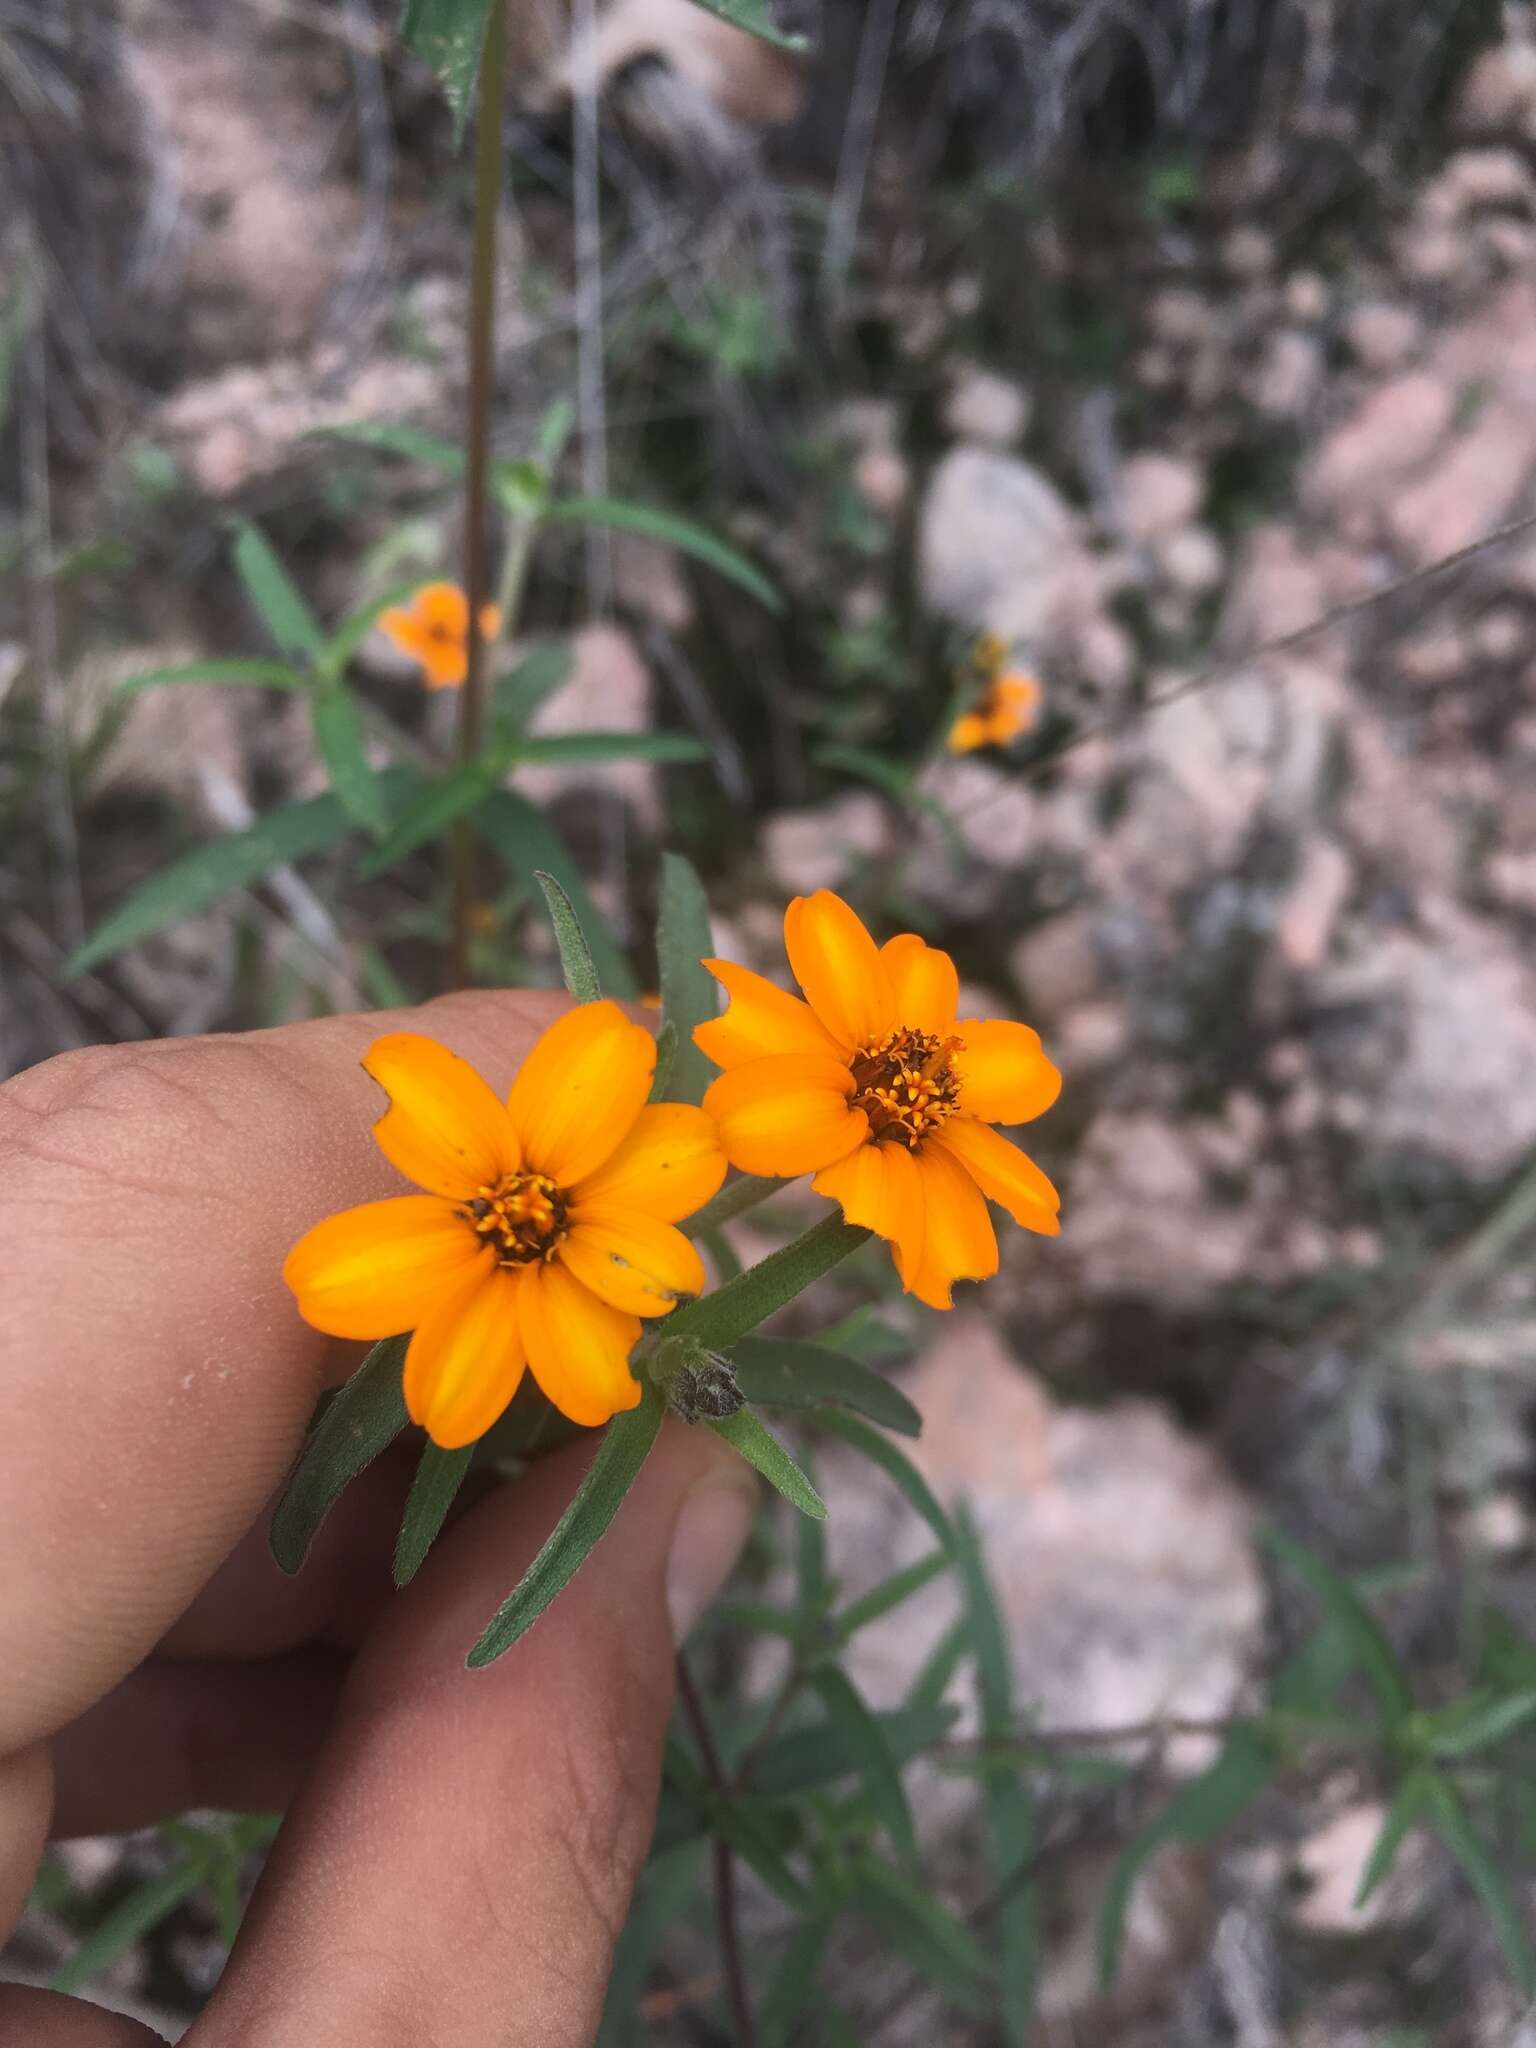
(875, 1085)
(546, 1231)
(1007, 707)
(434, 630)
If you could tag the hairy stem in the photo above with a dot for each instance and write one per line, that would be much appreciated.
(477, 460)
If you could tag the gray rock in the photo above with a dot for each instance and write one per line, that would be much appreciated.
(999, 547)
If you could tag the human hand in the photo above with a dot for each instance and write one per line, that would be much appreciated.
(460, 1846)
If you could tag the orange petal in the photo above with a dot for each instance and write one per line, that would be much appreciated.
(1005, 1077)
(879, 1186)
(961, 1243)
(578, 1346)
(836, 963)
(465, 1360)
(759, 1022)
(1003, 1173)
(578, 1093)
(446, 664)
(490, 621)
(442, 608)
(786, 1116)
(376, 1270)
(968, 733)
(405, 630)
(668, 1166)
(445, 1127)
(630, 1260)
(924, 983)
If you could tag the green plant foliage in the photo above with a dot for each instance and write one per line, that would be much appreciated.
(1354, 1621)
(575, 954)
(339, 736)
(1447, 1814)
(924, 1933)
(293, 626)
(525, 841)
(778, 1372)
(689, 994)
(878, 1769)
(361, 1419)
(882, 1452)
(433, 1491)
(721, 1319)
(676, 531)
(450, 35)
(558, 749)
(272, 675)
(744, 1433)
(756, 17)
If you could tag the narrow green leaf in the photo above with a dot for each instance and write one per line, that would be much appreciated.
(1308, 1681)
(756, 1616)
(756, 17)
(690, 1808)
(1448, 1814)
(1405, 1812)
(295, 630)
(450, 34)
(813, 1592)
(891, 1593)
(723, 1318)
(519, 693)
(666, 1054)
(689, 992)
(552, 750)
(891, 778)
(339, 735)
(744, 1433)
(438, 1478)
(200, 878)
(625, 1444)
(1010, 1811)
(1476, 1723)
(787, 1372)
(894, 1462)
(392, 439)
(877, 1767)
(127, 1924)
(807, 1759)
(940, 1665)
(662, 1897)
(272, 675)
(353, 631)
(360, 1420)
(782, 2021)
(427, 817)
(1198, 1811)
(677, 532)
(936, 1944)
(575, 954)
(1375, 1655)
(525, 841)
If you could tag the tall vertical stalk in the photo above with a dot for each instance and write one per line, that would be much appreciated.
(477, 458)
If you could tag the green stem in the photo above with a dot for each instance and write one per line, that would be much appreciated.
(720, 1319)
(477, 459)
(732, 1201)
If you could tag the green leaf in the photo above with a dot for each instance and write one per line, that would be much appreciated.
(1448, 1815)
(360, 1420)
(625, 1444)
(1010, 1812)
(127, 1924)
(575, 954)
(525, 841)
(200, 878)
(690, 1808)
(894, 1462)
(756, 17)
(756, 1616)
(744, 1433)
(293, 626)
(353, 631)
(1405, 1812)
(450, 34)
(522, 690)
(666, 1055)
(891, 778)
(1198, 1811)
(891, 1593)
(391, 439)
(438, 1478)
(662, 1897)
(936, 1944)
(339, 735)
(806, 1759)
(941, 1664)
(272, 675)
(428, 816)
(787, 1372)
(1475, 1723)
(689, 992)
(1344, 1606)
(877, 1767)
(781, 2020)
(676, 532)
(553, 750)
(723, 1318)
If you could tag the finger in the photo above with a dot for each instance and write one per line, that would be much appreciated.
(460, 1863)
(154, 1376)
(238, 1737)
(42, 2019)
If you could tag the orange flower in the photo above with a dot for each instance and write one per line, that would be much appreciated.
(872, 1085)
(1008, 706)
(545, 1234)
(434, 630)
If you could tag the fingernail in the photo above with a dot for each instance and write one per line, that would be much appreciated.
(711, 1528)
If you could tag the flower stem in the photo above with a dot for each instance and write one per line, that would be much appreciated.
(477, 459)
(724, 1317)
(732, 1201)
(724, 1863)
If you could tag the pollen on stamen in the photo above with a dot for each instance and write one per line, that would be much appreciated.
(905, 1085)
(522, 1218)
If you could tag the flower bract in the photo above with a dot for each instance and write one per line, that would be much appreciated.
(545, 1232)
(876, 1085)
(434, 630)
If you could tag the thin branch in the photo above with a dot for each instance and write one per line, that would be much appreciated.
(724, 1863)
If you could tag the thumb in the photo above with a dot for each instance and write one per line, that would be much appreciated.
(459, 1865)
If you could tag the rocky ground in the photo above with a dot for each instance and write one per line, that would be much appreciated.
(1278, 934)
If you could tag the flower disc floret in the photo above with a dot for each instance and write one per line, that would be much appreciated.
(906, 1085)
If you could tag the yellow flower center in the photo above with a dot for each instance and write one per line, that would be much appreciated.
(522, 1217)
(905, 1085)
